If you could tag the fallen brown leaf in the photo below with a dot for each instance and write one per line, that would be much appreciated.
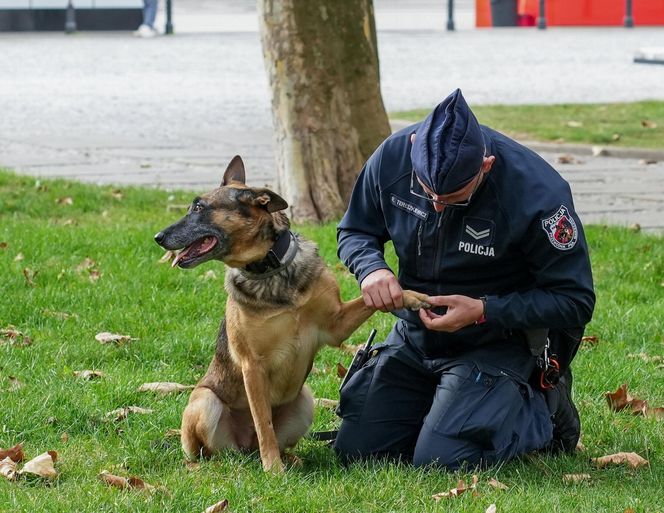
(123, 413)
(646, 123)
(491, 509)
(461, 488)
(124, 482)
(65, 201)
(636, 227)
(14, 384)
(85, 265)
(497, 484)
(216, 508)
(94, 275)
(117, 194)
(566, 159)
(3, 245)
(164, 387)
(14, 337)
(616, 137)
(30, 276)
(19, 257)
(172, 433)
(14, 453)
(631, 459)
(42, 465)
(341, 370)
(658, 413)
(112, 338)
(89, 375)
(326, 403)
(646, 357)
(621, 399)
(8, 468)
(591, 340)
(64, 437)
(575, 478)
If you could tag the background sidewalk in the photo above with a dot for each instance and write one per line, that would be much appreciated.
(172, 111)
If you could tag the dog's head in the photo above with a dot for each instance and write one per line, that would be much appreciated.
(233, 223)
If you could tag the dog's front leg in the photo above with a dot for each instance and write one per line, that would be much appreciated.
(255, 383)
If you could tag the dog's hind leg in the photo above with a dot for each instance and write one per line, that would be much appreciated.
(206, 425)
(293, 420)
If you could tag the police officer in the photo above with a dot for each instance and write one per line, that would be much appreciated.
(488, 230)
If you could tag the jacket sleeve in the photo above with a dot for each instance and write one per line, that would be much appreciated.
(361, 234)
(562, 295)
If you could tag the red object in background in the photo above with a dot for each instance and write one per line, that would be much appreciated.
(579, 12)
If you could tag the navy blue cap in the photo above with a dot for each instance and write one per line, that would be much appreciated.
(449, 147)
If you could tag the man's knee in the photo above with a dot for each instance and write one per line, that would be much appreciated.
(445, 452)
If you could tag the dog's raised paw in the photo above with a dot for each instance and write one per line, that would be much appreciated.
(415, 300)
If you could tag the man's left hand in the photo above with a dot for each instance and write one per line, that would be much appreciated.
(462, 311)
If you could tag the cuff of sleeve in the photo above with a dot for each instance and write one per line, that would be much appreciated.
(367, 271)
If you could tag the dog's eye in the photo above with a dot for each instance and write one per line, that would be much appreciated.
(196, 207)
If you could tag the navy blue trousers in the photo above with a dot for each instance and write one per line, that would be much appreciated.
(476, 409)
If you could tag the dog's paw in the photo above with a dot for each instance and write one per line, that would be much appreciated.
(273, 465)
(415, 300)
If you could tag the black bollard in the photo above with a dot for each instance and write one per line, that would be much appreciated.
(628, 21)
(70, 19)
(169, 18)
(450, 14)
(541, 19)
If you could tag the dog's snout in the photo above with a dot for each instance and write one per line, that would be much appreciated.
(159, 238)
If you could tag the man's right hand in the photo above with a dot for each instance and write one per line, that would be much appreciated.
(381, 290)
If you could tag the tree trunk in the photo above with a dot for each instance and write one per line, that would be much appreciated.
(322, 63)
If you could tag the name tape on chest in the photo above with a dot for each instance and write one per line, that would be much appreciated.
(408, 207)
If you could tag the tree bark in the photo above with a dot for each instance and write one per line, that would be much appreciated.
(322, 63)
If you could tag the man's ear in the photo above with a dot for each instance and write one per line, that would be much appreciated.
(487, 163)
(269, 200)
(234, 172)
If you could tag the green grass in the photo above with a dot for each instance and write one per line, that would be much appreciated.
(613, 124)
(174, 314)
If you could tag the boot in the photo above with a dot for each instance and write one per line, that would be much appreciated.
(564, 415)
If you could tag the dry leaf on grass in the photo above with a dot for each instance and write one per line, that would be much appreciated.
(326, 403)
(112, 338)
(60, 315)
(89, 375)
(42, 465)
(575, 478)
(64, 437)
(123, 413)
(30, 276)
(209, 275)
(124, 482)
(631, 459)
(3, 245)
(15, 337)
(461, 488)
(216, 508)
(14, 453)
(574, 124)
(172, 433)
(491, 508)
(647, 358)
(117, 194)
(8, 469)
(164, 387)
(14, 384)
(497, 484)
(65, 201)
(590, 340)
(621, 399)
(341, 370)
(646, 123)
(19, 257)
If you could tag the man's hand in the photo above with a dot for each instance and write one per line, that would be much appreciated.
(462, 311)
(381, 290)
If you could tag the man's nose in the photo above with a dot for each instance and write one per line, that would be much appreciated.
(159, 238)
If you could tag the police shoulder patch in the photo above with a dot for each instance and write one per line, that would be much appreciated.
(561, 229)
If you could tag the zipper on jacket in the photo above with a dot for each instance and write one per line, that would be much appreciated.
(439, 225)
(419, 238)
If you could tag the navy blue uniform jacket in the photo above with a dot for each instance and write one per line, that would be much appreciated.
(519, 243)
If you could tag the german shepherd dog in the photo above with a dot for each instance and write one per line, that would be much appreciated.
(283, 305)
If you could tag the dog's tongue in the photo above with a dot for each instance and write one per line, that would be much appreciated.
(197, 248)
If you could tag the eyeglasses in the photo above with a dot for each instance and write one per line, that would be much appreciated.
(430, 197)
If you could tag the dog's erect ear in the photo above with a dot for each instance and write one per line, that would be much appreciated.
(269, 200)
(234, 172)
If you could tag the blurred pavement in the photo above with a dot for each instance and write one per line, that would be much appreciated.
(171, 111)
